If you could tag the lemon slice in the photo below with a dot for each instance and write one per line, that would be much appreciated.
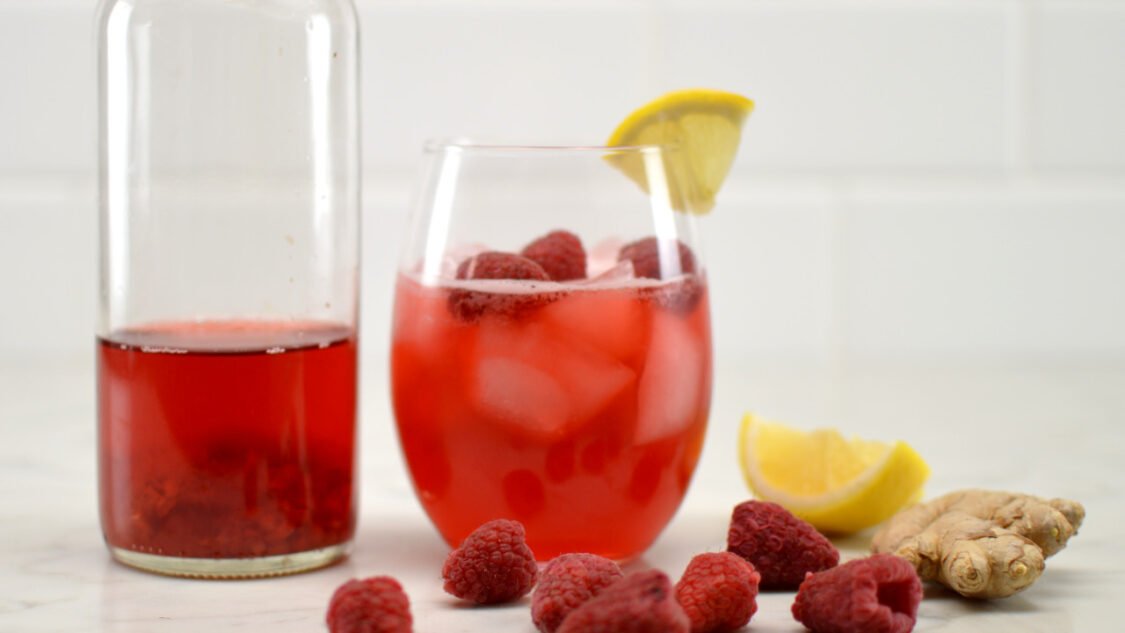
(839, 485)
(703, 128)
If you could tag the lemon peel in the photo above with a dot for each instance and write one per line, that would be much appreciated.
(702, 129)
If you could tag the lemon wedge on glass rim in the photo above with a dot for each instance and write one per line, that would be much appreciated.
(702, 127)
(839, 485)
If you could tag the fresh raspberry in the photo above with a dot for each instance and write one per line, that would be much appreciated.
(566, 583)
(779, 545)
(471, 305)
(497, 265)
(371, 605)
(493, 565)
(878, 594)
(560, 253)
(641, 602)
(645, 255)
(718, 592)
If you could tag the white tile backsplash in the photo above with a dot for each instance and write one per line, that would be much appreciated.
(985, 272)
(521, 72)
(48, 273)
(853, 85)
(1078, 92)
(921, 178)
(47, 84)
(769, 251)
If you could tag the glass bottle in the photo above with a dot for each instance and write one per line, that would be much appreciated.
(228, 283)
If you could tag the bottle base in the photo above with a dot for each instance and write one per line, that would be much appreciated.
(232, 568)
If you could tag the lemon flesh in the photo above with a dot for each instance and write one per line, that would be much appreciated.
(702, 129)
(839, 485)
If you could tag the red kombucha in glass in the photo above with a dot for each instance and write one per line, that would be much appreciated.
(227, 440)
(578, 410)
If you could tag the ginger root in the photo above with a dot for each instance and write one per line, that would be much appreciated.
(981, 543)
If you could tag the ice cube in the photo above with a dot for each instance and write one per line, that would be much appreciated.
(541, 381)
(603, 256)
(517, 394)
(611, 321)
(673, 391)
(457, 254)
(623, 271)
(421, 319)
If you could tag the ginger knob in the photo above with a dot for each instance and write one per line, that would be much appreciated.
(981, 543)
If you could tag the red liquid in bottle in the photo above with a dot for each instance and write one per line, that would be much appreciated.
(227, 439)
(580, 414)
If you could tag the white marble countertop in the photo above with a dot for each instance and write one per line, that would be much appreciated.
(1052, 431)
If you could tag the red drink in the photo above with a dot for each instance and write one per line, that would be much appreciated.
(578, 410)
(226, 440)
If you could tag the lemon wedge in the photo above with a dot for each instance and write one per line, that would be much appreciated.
(703, 127)
(838, 485)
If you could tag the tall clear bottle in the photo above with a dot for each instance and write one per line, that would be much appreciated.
(229, 276)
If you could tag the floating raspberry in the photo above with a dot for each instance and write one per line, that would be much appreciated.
(645, 255)
(566, 583)
(371, 605)
(878, 594)
(493, 565)
(779, 545)
(470, 305)
(561, 255)
(718, 592)
(641, 602)
(496, 265)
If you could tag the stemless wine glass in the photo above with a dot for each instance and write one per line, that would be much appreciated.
(577, 404)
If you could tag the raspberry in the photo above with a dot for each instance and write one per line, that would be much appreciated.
(779, 545)
(371, 605)
(561, 255)
(878, 594)
(493, 565)
(641, 602)
(566, 583)
(496, 265)
(718, 591)
(471, 305)
(645, 255)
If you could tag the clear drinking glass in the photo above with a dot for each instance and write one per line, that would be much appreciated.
(575, 405)
(229, 251)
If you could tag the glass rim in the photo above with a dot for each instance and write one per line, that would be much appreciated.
(435, 145)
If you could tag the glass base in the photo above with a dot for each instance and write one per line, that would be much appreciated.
(233, 568)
